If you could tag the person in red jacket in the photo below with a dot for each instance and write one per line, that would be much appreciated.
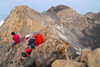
(16, 38)
(37, 39)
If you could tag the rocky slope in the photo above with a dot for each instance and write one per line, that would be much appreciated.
(59, 26)
(80, 31)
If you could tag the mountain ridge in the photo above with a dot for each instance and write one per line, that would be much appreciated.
(58, 25)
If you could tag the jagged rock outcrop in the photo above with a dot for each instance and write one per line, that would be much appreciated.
(67, 28)
(80, 31)
(58, 23)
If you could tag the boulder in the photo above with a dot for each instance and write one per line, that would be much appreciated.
(91, 58)
(66, 63)
(84, 55)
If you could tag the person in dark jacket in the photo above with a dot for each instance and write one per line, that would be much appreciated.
(36, 40)
(27, 61)
(16, 38)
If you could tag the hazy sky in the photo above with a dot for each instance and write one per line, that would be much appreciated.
(81, 6)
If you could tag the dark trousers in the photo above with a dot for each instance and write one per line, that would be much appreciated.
(32, 43)
(29, 53)
(14, 44)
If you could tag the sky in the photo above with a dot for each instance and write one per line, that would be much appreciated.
(81, 6)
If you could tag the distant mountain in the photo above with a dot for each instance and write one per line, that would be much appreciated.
(57, 8)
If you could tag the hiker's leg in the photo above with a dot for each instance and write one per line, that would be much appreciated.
(33, 45)
(29, 53)
(31, 41)
(14, 44)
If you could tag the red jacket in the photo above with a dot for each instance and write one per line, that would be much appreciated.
(28, 50)
(39, 40)
(16, 38)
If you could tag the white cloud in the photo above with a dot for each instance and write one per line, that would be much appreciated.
(1, 22)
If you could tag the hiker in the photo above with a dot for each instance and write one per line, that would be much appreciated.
(27, 60)
(16, 38)
(36, 40)
(28, 50)
(27, 36)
